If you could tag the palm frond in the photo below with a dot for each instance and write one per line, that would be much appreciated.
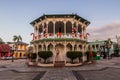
(20, 38)
(15, 38)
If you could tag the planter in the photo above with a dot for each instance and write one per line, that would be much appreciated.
(32, 63)
(73, 65)
(45, 65)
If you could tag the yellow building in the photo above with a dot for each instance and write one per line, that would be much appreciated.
(20, 50)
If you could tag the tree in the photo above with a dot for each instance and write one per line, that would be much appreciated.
(108, 44)
(16, 39)
(45, 55)
(72, 55)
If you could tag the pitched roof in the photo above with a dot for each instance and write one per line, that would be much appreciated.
(23, 43)
(4, 48)
(20, 42)
(59, 16)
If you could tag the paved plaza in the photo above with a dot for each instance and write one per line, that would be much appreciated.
(100, 70)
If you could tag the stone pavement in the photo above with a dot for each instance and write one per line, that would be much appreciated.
(59, 74)
(100, 70)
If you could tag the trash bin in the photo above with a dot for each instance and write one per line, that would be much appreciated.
(97, 58)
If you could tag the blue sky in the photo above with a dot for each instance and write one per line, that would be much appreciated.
(15, 16)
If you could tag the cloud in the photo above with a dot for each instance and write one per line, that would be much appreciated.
(104, 32)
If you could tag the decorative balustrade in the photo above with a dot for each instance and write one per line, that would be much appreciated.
(57, 35)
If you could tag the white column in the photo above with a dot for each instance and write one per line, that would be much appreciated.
(37, 32)
(42, 47)
(47, 26)
(53, 53)
(76, 47)
(77, 30)
(46, 47)
(84, 49)
(72, 47)
(84, 32)
(65, 53)
(64, 28)
(37, 53)
(54, 28)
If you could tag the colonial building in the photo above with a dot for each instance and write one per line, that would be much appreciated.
(59, 32)
(19, 51)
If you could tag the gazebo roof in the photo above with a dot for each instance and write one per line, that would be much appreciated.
(60, 16)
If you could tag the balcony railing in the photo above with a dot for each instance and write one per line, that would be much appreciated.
(47, 36)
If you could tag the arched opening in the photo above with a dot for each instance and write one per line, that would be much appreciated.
(50, 47)
(93, 47)
(68, 27)
(40, 28)
(45, 25)
(60, 48)
(20, 55)
(74, 25)
(59, 27)
(36, 30)
(75, 47)
(50, 27)
(89, 47)
(35, 48)
(44, 48)
(97, 46)
(39, 48)
(80, 46)
(69, 47)
(79, 28)
(84, 28)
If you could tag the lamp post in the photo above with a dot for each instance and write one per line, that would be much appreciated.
(108, 44)
(12, 51)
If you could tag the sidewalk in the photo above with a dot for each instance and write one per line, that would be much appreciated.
(102, 66)
(20, 65)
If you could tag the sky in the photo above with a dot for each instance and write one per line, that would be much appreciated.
(16, 15)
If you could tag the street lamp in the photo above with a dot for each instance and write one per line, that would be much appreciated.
(12, 51)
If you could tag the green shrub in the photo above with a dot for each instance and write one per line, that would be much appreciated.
(73, 55)
(45, 55)
(80, 54)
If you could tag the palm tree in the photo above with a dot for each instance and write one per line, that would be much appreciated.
(16, 39)
(1, 41)
(108, 44)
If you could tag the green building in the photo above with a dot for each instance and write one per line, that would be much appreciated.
(99, 46)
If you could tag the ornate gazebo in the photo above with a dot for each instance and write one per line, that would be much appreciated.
(59, 32)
